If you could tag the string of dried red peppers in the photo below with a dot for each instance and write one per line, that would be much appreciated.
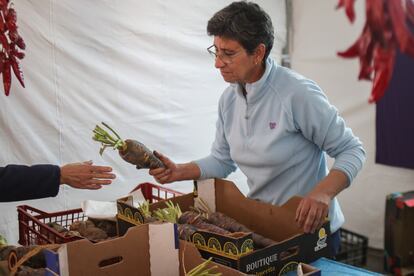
(386, 30)
(11, 43)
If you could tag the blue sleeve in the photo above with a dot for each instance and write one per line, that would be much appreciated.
(19, 182)
(219, 163)
(320, 123)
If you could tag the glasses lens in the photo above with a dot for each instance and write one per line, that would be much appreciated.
(223, 57)
(212, 51)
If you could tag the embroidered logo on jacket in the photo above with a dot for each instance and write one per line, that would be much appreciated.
(272, 125)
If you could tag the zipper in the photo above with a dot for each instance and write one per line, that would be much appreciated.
(246, 119)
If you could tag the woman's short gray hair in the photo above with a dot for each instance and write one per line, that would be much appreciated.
(245, 22)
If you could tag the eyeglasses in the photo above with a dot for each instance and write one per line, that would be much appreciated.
(225, 58)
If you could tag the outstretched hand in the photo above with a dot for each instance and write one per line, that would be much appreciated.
(85, 175)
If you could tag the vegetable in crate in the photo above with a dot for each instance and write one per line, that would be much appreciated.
(225, 222)
(145, 210)
(36, 260)
(186, 231)
(3, 241)
(108, 226)
(28, 260)
(131, 151)
(203, 270)
(220, 224)
(197, 220)
(230, 224)
(28, 271)
(88, 230)
(169, 214)
(5, 250)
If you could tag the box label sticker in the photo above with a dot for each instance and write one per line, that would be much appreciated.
(321, 243)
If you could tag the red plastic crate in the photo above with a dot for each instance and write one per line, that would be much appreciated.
(33, 228)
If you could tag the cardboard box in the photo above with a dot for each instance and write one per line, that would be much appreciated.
(127, 215)
(150, 249)
(398, 234)
(275, 222)
(4, 268)
(124, 255)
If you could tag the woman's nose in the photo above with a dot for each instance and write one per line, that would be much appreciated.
(219, 63)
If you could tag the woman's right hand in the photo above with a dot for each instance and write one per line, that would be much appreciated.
(167, 174)
(174, 172)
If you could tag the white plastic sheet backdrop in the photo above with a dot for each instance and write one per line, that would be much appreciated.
(319, 32)
(140, 66)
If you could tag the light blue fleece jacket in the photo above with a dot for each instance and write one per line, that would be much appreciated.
(278, 135)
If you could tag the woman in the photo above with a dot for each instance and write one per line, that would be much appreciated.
(274, 124)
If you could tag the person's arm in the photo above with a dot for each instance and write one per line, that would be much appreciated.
(319, 122)
(314, 207)
(20, 182)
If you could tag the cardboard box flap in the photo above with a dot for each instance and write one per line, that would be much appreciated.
(108, 257)
(163, 249)
(255, 214)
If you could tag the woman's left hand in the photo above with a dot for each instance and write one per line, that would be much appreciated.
(312, 211)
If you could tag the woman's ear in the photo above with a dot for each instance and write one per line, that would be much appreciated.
(260, 53)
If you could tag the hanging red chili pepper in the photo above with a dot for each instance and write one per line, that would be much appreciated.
(15, 52)
(2, 61)
(402, 33)
(16, 69)
(349, 8)
(9, 39)
(4, 42)
(6, 77)
(20, 43)
(385, 30)
(384, 65)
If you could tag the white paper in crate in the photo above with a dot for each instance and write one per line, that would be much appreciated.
(107, 209)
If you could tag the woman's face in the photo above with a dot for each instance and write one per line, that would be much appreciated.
(234, 63)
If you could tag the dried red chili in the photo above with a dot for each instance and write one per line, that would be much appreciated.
(349, 8)
(20, 43)
(9, 39)
(6, 77)
(17, 71)
(385, 30)
(384, 65)
(4, 42)
(398, 18)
